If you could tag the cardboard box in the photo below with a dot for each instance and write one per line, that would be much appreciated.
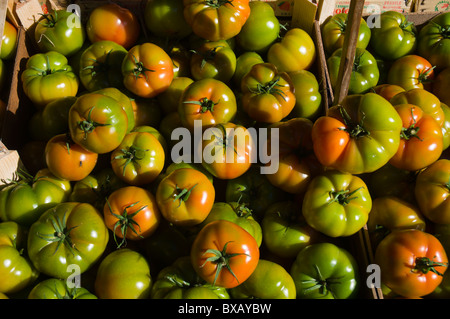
(432, 6)
(375, 6)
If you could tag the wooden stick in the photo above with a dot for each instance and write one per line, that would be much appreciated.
(348, 50)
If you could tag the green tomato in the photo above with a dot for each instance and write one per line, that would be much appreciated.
(180, 281)
(16, 270)
(325, 271)
(394, 37)
(237, 213)
(365, 74)
(9, 42)
(25, 201)
(308, 99)
(268, 281)
(123, 274)
(71, 233)
(261, 29)
(244, 63)
(48, 77)
(60, 31)
(54, 288)
(333, 33)
(336, 203)
(285, 231)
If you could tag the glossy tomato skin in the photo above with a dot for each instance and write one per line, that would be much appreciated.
(446, 126)
(9, 42)
(147, 70)
(395, 38)
(433, 41)
(349, 149)
(261, 29)
(412, 262)
(60, 31)
(325, 271)
(244, 63)
(268, 281)
(211, 101)
(230, 241)
(97, 122)
(54, 288)
(411, 71)
(296, 51)
(432, 191)
(115, 23)
(69, 233)
(139, 158)
(440, 86)
(123, 274)
(100, 65)
(27, 200)
(337, 204)
(421, 141)
(365, 74)
(170, 98)
(388, 91)
(47, 77)
(16, 269)
(180, 281)
(131, 212)
(185, 197)
(267, 93)
(216, 20)
(308, 97)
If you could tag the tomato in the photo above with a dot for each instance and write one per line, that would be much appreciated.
(123, 274)
(100, 65)
(267, 93)
(26, 200)
(325, 271)
(209, 100)
(52, 120)
(261, 29)
(139, 158)
(446, 126)
(297, 164)
(433, 41)
(296, 51)
(224, 254)
(97, 122)
(396, 36)
(337, 204)
(68, 160)
(432, 191)
(308, 97)
(268, 281)
(216, 20)
(228, 150)
(253, 189)
(16, 270)
(60, 31)
(69, 233)
(165, 18)
(390, 213)
(115, 23)
(421, 140)
(213, 59)
(388, 91)
(285, 231)
(47, 77)
(9, 42)
(180, 281)
(147, 70)
(360, 135)
(244, 63)
(147, 112)
(440, 86)
(170, 98)
(365, 73)
(54, 288)
(155, 133)
(411, 71)
(176, 165)
(427, 101)
(185, 197)
(412, 262)
(237, 213)
(333, 33)
(131, 213)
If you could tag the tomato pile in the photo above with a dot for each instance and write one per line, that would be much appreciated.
(110, 206)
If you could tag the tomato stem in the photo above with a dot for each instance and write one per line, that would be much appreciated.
(321, 284)
(218, 3)
(205, 104)
(343, 197)
(182, 194)
(355, 130)
(87, 125)
(270, 87)
(131, 154)
(425, 264)
(411, 131)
